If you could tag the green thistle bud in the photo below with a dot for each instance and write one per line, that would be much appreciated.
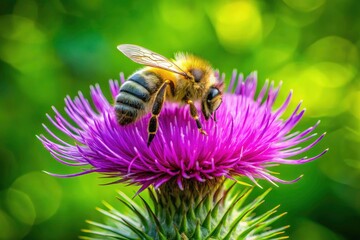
(206, 210)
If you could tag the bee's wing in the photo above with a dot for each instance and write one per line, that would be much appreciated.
(149, 58)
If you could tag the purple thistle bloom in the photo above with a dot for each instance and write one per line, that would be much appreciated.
(247, 139)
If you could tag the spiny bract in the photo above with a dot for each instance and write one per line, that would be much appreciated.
(217, 213)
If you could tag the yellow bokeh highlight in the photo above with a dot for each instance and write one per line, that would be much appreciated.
(305, 5)
(335, 49)
(318, 85)
(334, 75)
(181, 16)
(238, 24)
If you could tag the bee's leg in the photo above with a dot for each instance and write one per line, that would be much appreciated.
(195, 116)
(156, 108)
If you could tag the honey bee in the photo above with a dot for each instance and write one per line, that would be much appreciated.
(185, 80)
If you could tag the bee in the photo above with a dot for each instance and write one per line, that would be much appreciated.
(185, 80)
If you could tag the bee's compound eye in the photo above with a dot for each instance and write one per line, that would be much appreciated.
(212, 93)
(197, 74)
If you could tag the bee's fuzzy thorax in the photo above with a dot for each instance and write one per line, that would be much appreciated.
(188, 61)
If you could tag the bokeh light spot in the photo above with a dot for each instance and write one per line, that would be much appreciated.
(281, 43)
(310, 83)
(334, 49)
(20, 206)
(334, 75)
(341, 167)
(37, 67)
(181, 16)
(8, 230)
(238, 24)
(355, 103)
(43, 191)
(20, 29)
(304, 5)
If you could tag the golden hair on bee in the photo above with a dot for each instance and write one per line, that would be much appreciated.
(185, 80)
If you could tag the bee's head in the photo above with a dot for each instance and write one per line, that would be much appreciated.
(211, 102)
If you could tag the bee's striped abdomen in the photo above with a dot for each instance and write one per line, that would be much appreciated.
(134, 96)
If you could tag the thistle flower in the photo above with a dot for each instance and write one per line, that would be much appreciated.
(184, 170)
(247, 140)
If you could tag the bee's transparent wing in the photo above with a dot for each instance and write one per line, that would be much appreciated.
(149, 58)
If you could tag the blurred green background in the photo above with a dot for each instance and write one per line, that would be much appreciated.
(50, 49)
